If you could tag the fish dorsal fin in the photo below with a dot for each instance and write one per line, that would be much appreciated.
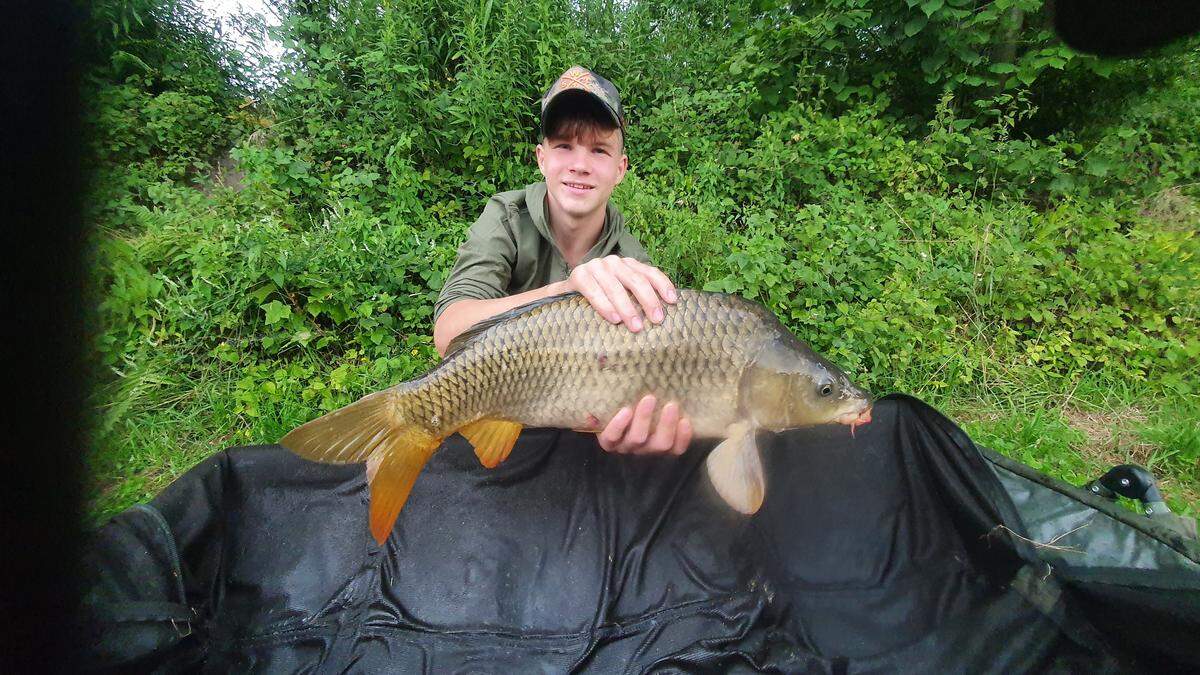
(462, 339)
(736, 471)
(493, 439)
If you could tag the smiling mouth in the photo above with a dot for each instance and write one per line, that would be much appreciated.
(578, 186)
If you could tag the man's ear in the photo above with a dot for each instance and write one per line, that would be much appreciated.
(539, 151)
(624, 168)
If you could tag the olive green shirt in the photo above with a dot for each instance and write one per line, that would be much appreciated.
(510, 249)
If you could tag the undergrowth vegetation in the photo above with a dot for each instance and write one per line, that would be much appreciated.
(937, 195)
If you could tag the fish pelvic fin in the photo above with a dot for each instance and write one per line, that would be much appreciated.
(371, 430)
(493, 439)
(736, 472)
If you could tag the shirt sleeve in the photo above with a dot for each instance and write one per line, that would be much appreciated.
(484, 264)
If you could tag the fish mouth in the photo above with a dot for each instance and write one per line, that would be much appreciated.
(856, 419)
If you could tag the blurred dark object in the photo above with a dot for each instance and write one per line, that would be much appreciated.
(1114, 28)
(43, 272)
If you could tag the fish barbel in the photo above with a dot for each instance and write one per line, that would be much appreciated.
(729, 363)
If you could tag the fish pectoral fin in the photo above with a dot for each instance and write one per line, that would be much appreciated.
(736, 471)
(392, 473)
(493, 439)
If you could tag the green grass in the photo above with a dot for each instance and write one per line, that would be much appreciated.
(166, 425)
(1078, 433)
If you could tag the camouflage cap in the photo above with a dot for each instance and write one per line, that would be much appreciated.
(580, 79)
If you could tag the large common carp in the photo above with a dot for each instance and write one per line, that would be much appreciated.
(729, 363)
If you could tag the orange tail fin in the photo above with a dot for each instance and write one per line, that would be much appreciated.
(392, 478)
(370, 430)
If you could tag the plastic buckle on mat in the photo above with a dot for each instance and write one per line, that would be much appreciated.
(1132, 482)
(1135, 482)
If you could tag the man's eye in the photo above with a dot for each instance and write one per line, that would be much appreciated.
(602, 151)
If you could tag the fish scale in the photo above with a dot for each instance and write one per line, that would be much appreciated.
(591, 367)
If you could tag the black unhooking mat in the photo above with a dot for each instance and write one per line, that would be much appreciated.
(906, 549)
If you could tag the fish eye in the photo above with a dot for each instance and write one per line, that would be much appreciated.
(826, 389)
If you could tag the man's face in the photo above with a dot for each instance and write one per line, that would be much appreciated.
(581, 172)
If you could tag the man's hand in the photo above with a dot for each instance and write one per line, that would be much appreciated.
(629, 430)
(607, 282)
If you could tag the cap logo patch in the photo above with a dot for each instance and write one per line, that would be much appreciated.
(579, 78)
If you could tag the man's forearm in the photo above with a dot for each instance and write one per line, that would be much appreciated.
(463, 314)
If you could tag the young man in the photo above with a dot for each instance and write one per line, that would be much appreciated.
(564, 235)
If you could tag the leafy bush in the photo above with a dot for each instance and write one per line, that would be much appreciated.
(935, 194)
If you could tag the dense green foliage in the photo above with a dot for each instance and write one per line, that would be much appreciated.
(936, 194)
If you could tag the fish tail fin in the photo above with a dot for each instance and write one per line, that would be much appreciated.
(374, 430)
(395, 471)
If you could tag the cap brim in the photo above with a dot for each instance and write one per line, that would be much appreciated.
(555, 103)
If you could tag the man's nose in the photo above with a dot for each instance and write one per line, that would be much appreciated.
(579, 162)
